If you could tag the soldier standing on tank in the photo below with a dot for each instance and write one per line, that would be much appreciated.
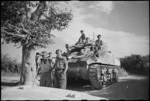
(61, 67)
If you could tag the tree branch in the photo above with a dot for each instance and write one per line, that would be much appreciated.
(12, 34)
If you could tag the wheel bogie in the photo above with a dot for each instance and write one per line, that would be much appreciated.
(101, 75)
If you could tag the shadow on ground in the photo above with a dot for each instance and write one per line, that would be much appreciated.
(79, 85)
(10, 83)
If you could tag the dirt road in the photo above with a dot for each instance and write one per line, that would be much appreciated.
(128, 88)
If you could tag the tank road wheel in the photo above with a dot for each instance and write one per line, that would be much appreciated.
(116, 78)
(94, 75)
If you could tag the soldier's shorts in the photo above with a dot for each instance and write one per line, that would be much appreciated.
(46, 79)
(61, 80)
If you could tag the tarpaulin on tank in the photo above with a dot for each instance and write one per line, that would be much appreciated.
(106, 57)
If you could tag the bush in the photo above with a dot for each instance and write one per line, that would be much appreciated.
(136, 64)
(9, 65)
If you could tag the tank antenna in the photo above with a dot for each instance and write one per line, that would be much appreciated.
(93, 37)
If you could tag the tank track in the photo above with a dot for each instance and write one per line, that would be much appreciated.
(95, 78)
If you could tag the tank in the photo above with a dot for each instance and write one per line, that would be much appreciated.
(99, 67)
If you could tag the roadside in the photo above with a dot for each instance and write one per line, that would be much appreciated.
(128, 88)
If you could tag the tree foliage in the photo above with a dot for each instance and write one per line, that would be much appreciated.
(136, 64)
(28, 24)
(18, 26)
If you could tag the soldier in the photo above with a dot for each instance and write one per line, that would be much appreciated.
(68, 48)
(88, 40)
(37, 61)
(49, 55)
(61, 67)
(82, 37)
(52, 70)
(79, 42)
(98, 42)
(45, 66)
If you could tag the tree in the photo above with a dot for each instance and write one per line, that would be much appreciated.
(31, 29)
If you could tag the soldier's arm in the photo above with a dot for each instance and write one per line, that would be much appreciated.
(54, 65)
(66, 65)
(95, 43)
(40, 66)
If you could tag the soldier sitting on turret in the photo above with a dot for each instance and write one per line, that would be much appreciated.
(79, 42)
(88, 42)
(98, 42)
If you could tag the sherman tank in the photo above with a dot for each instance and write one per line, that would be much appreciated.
(99, 67)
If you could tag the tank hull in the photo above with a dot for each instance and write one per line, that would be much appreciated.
(78, 72)
(75, 71)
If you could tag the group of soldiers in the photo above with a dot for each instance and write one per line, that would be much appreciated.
(53, 74)
(86, 41)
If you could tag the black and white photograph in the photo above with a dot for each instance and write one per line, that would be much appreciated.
(75, 50)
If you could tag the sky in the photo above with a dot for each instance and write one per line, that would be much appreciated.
(123, 25)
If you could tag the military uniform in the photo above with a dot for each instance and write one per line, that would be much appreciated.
(98, 44)
(46, 65)
(60, 65)
(82, 38)
(52, 72)
(37, 61)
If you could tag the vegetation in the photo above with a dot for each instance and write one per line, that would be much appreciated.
(28, 24)
(9, 65)
(136, 64)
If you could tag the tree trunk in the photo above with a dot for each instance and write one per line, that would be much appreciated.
(28, 69)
